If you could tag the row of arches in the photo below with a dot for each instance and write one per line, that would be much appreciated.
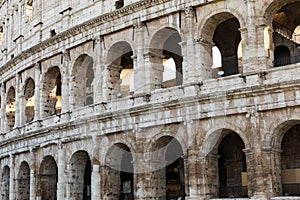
(166, 169)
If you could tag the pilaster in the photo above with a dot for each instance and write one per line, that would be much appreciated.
(37, 92)
(3, 107)
(95, 182)
(257, 41)
(61, 184)
(12, 178)
(65, 81)
(18, 99)
(98, 80)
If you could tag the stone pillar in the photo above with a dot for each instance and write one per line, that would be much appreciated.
(257, 43)
(153, 71)
(12, 190)
(98, 80)
(65, 82)
(37, 92)
(61, 184)
(3, 107)
(32, 185)
(32, 193)
(110, 183)
(96, 179)
(19, 101)
(263, 171)
(204, 179)
(139, 62)
(196, 53)
(141, 180)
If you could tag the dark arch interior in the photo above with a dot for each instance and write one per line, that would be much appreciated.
(52, 92)
(11, 107)
(120, 58)
(48, 178)
(172, 49)
(5, 183)
(290, 162)
(29, 100)
(232, 164)
(284, 24)
(227, 38)
(23, 182)
(80, 175)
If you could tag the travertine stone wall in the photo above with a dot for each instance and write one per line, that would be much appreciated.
(67, 134)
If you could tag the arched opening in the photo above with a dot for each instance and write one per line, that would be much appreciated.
(119, 159)
(281, 56)
(29, 100)
(11, 108)
(290, 162)
(166, 58)
(227, 38)
(83, 88)
(120, 71)
(5, 183)
(221, 39)
(23, 182)
(119, 4)
(80, 171)
(29, 10)
(285, 23)
(232, 167)
(169, 174)
(52, 92)
(47, 179)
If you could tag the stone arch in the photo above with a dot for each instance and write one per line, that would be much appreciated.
(28, 100)
(47, 179)
(284, 17)
(285, 142)
(23, 182)
(214, 136)
(5, 180)
(279, 131)
(151, 145)
(270, 9)
(120, 68)
(166, 52)
(10, 107)
(82, 81)
(119, 172)
(80, 171)
(52, 92)
(212, 35)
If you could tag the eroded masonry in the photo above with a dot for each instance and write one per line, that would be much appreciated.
(150, 99)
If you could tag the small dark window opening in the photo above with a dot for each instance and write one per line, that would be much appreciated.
(52, 32)
(119, 4)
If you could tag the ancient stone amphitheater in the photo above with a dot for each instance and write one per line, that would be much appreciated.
(150, 99)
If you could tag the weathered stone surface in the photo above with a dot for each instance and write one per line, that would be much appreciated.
(90, 109)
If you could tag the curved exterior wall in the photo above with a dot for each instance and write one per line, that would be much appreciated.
(260, 103)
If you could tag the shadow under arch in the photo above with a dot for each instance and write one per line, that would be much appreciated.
(167, 165)
(5, 180)
(48, 178)
(119, 172)
(79, 175)
(82, 80)
(120, 68)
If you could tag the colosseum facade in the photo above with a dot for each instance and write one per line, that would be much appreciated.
(149, 99)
